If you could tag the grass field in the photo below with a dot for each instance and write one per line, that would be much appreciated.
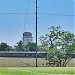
(37, 70)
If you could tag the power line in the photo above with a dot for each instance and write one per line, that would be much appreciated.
(15, 13)
(26, 14)
(37, 13)
(55, 14)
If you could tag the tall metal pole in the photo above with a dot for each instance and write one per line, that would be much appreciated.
(36, 33)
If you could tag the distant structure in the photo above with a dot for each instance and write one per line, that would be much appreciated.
(27, 37)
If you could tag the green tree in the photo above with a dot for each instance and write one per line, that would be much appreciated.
(42, 48)
(5, 47)
(60, 44)
(21, 47)
(32, 46)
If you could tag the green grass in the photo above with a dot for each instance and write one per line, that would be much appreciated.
(36, 70)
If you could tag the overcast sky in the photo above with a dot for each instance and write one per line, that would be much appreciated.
(50, 12)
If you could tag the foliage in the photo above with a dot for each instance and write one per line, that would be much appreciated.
(32, 46)
(41, 48)
(5, 47)
(20, 47)
(28, 47)
(60, 44)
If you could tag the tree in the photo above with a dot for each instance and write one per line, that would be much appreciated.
(42, 48)
(21, 47)
(5, 47)
(60, 45)
(28, 47)
(31, 46)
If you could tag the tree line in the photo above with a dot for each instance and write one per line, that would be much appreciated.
(18, 47)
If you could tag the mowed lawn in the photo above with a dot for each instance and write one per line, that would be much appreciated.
(37, 70)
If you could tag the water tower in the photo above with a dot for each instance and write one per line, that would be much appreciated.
(27, 37)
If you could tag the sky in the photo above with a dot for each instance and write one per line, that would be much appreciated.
(50, 13)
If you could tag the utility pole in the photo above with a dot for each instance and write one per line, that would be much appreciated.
(36, 33)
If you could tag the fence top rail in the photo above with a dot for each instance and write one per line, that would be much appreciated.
(22, 52)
